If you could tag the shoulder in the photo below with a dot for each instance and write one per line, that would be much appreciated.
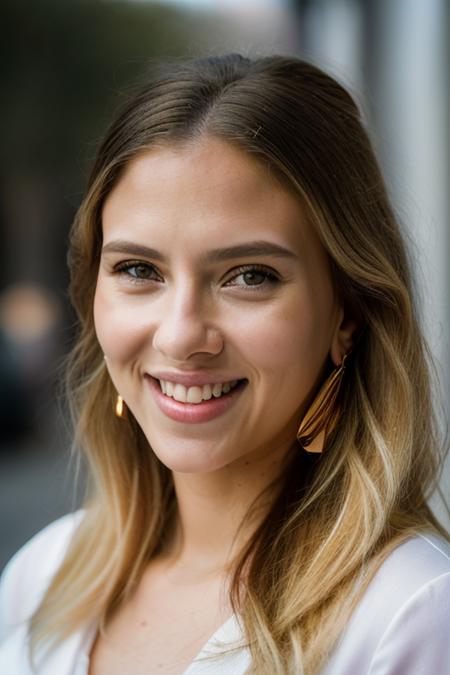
(419, 561)
(402, 622)
(28, 573)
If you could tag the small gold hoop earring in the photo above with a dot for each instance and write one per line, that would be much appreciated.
(120, 408)
(323, 414)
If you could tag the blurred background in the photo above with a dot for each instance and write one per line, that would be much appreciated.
(64, 64)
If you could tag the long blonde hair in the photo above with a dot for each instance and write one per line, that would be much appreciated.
(337, 515)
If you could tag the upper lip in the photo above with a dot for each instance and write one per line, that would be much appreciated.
(193, 379)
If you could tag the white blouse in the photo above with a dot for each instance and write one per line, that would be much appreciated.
(400, 627)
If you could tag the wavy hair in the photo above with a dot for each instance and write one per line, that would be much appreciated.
(338, 515)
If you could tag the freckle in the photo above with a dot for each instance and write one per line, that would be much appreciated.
(143, 623)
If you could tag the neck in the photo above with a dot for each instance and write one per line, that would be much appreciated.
(210, 529)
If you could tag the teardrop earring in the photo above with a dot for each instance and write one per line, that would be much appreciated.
(323, 414)
(121, 408)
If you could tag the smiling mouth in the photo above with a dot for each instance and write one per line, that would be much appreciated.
(195, 413)
(201, 395)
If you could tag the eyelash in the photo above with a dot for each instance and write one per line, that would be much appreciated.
(271, 278)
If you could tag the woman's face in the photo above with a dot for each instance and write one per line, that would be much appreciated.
(210, 269)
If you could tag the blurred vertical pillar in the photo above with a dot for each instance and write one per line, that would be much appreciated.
(330, 34)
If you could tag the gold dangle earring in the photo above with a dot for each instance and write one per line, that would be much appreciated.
(323, 414)
(121, 408)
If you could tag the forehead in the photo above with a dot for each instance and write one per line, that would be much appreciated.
(207, 192)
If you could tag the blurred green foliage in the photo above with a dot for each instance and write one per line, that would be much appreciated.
(62, 63)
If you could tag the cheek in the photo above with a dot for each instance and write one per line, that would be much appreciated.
(269, 341)
(282, 342)
(287, 347)
(118, 325)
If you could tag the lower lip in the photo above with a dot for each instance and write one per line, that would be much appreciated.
(193, 413)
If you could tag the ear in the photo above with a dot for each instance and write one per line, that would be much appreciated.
(347, 327)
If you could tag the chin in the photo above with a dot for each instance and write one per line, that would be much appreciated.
(188, 457)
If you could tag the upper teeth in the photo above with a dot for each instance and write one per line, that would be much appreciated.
(195, 394)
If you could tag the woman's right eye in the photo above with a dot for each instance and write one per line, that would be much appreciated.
(136, 271)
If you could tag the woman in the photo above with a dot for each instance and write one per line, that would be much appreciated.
(251, 389)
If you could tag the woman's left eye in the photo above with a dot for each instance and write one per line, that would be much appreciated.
(256, 276)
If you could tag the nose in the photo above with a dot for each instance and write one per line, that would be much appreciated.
(185, 325)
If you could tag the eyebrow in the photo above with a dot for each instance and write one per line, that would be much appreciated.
(251, 248)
